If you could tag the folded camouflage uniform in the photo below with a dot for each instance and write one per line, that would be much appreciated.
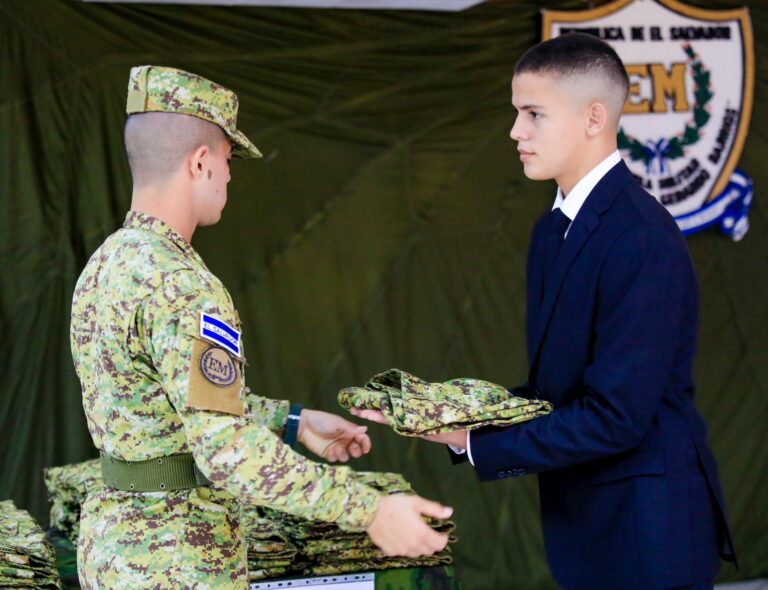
(414, 407)
(270, 553)
(67, 488)
(254, 575)
(27, 560)
(364, 565)
(325, 549)
(341, 545)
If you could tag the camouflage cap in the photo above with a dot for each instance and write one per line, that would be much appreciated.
(168, 90)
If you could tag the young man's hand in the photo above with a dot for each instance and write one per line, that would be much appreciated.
(457, 438)
(332, 437)
(372, 415)
(398, 527)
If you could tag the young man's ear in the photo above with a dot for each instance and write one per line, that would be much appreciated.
(197, 162)
(598, 118)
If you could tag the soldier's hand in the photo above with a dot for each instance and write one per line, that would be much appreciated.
(398, 527)
(332, 437)
(372, 415)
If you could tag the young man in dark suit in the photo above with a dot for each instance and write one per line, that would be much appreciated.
(630, 497)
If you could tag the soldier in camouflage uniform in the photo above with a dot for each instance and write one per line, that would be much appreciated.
(156, 342)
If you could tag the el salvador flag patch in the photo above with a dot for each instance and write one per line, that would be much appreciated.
(220, 332)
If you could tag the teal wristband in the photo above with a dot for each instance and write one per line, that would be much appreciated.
(292, 425)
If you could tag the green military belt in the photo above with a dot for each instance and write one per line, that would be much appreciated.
(164, 474)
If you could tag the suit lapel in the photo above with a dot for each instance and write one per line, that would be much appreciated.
(585, 224)
(578, 234)
(535, 282)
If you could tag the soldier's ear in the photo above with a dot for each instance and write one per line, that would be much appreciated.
(198, 162)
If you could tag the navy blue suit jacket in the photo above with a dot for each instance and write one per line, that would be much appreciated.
(630, 497)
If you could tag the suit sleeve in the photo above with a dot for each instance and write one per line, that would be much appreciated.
(642, 305)
(241, 453)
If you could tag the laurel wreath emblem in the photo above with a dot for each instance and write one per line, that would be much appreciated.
(672, 148)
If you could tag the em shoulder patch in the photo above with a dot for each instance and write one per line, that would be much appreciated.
(218, 367)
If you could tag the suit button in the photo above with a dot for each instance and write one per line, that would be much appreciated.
(501, 474)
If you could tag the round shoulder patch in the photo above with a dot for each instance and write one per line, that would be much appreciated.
(218, 367)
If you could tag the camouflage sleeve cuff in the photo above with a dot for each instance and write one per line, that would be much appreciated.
(361, 506)
(278, 413)
(272, 413)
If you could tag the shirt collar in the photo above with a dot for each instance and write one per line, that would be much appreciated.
(580, 192)
(142, 221)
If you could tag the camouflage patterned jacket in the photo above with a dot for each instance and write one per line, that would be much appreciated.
(414, 407)
(154, 386)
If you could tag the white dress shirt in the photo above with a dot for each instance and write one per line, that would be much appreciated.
(570, 207)
(579, 193)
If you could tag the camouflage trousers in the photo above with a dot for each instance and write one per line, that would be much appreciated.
(183, 539)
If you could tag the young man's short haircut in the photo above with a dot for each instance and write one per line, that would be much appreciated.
(577, 55)
(157, 143)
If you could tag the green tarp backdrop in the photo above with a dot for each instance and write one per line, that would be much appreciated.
(386, 226)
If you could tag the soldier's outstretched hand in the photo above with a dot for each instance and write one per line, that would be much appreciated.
(399, 529)
(332, 437)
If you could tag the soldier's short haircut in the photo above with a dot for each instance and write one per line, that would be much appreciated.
(577, 56)
(157, 143)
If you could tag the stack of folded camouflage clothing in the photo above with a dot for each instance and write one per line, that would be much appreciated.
(67, 488)
(325, 549)
(270, 553)
(356, 553)
(27, 560)
(414, 407)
